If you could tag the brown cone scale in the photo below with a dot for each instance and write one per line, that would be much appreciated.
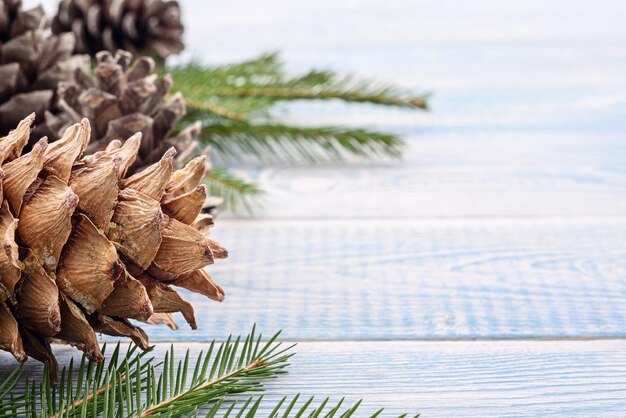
(85, 247)
(9, 256)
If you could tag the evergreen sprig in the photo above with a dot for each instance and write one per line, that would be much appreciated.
(135, 385)
(266, 81)
(234, 102)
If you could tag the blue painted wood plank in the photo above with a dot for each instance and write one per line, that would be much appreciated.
(417, 279)
(446, 379)
(465, 379)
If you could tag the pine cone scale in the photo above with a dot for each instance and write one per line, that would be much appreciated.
(90, 265)
(10, 338)
(75, 329)
(37, 300)
(10, 267)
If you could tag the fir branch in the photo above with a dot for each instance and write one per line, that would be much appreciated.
(236, 192)
(237, 368)
(233, 102)
(257, 84)
(130, 386)
(266, 65)
(134, 386)
(194, 81)
(287, 143)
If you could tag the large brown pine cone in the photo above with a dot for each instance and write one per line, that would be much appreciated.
(32, 63)
(140, 26)
(121, 98)
(87, 247)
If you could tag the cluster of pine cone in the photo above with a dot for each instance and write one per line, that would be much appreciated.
(101, 201)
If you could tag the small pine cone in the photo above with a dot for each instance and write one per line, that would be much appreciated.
(32, 63)
(150, 27)
(88, 247)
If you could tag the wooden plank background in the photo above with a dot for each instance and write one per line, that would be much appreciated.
(483, 275)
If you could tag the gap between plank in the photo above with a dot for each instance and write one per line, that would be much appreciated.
(417, 340)
(230, 218)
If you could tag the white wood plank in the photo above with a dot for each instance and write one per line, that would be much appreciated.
(460, 175)
(380, 279)
(443, 379)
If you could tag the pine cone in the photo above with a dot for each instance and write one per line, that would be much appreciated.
(124, 97)
(140, 26)
(31, 63)
(88, 247)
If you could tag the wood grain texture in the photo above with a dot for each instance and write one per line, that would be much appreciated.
(450, 379)
(380, 279)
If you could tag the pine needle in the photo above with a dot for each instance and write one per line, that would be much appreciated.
(287, 408)
(274, 142)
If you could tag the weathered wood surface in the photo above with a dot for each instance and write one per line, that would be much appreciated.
(505, 220)
(383, 279)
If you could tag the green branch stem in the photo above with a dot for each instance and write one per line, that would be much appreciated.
(356, 95)
(218, 111)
